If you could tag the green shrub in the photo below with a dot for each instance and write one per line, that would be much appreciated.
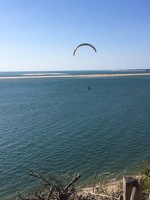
(145, 172)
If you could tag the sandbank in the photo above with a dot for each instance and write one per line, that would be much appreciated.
(105, 188)
(101, 189)
(74, 76)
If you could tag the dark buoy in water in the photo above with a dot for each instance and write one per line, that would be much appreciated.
(89, 88)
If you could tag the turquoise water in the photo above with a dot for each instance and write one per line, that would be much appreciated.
(59, 125)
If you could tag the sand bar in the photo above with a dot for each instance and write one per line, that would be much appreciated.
(74, 76)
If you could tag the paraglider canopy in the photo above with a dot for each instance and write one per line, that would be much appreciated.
(84, 44)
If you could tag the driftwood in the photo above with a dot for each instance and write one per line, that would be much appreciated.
(52, 188)
(132, 188)
(94, 182)
(62, 188)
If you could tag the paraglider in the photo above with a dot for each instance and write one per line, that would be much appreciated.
(84, 44)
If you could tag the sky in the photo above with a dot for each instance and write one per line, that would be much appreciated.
(41, 35)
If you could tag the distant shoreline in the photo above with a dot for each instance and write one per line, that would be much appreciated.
(74, 76)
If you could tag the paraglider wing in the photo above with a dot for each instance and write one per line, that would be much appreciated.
(84, 44)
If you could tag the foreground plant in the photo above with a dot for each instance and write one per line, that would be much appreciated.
(53, 187)
(62, 188)
(145, 171)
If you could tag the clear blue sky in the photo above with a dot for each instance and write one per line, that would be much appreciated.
(42, 34)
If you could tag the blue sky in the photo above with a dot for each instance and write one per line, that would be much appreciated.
(42, 34)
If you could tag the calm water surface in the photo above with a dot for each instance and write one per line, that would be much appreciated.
(59, 125)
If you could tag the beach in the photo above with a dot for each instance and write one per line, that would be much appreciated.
(105, 188)
(74, 76)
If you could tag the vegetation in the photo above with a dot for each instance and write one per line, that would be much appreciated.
(52, 187)
(145, 171)
(62, 187)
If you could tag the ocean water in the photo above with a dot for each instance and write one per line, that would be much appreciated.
(57, 125)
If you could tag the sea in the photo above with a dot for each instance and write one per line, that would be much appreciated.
(76, 125)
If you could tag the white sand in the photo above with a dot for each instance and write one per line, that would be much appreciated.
(75, 76)
(103, 189)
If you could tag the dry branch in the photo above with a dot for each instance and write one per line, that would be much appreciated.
(53, 188)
